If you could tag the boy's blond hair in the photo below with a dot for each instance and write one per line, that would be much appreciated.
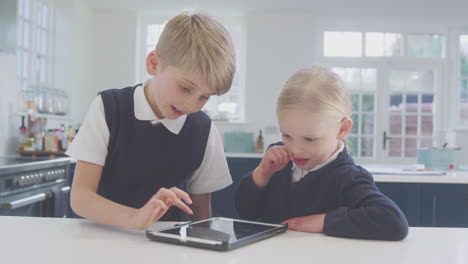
(316, 89)
(197, 43)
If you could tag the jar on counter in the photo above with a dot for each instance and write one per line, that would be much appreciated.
(29, 144)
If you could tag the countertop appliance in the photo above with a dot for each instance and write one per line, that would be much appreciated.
(34, 187)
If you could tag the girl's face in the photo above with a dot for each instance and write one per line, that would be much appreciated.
(311, 138)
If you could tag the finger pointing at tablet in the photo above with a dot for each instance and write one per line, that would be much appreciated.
(158, 205)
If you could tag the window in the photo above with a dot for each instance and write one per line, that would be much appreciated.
(227, 107)
(393, 97)
(362, 84)
(382, 44)
(34, 48)
(410, 112)
(463, 46)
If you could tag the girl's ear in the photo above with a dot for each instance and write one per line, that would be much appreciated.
(346, 125)
(152, 62)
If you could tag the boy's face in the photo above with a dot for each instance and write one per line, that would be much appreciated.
(311, 138)
(172, 93)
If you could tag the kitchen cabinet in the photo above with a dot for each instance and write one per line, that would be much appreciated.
(407, 196)
(222, 201)
(444, 205)
(8, 26)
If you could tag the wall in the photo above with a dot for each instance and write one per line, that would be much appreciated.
(278, 43)
(8, 125)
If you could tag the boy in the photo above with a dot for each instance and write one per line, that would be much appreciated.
(140, 148)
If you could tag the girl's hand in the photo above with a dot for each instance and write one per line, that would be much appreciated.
(309, 224)
(158, 205)
(275, 159)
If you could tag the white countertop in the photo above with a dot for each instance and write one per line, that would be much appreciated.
(451, 177)
(59, 241)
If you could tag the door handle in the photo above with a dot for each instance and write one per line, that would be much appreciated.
(385, 138)
(24, 201)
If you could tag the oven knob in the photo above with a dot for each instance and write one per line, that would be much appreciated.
(21, 181)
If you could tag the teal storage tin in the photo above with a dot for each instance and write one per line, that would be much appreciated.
(439, 158)
(238, 142)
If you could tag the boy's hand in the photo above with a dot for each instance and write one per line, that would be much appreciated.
(274, 160)
(158, 205)
(309, 224)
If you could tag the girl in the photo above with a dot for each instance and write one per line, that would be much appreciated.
(308, 180)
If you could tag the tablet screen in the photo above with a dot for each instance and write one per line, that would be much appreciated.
(220, 229)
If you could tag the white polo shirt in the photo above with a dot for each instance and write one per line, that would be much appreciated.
(91, 141)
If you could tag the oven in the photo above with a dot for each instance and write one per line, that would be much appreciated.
(34, 187)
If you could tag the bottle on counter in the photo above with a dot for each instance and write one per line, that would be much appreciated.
(23, 134)
(259, 143)
(70, 135)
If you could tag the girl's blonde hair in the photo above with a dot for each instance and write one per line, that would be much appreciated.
(199, 44)
(318, 90)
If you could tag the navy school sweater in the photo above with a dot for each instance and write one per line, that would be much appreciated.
(143, 157)
(345, 192)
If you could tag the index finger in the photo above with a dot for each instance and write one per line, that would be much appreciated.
(181, 195)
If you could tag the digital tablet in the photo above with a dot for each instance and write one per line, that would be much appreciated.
(216, 233)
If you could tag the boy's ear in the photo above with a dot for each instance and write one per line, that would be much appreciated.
(152, 63)
(346, 125)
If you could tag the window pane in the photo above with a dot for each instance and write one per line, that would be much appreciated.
(426, 125)
(367, 124)
(45, 11)
(26, 9)
(395, 103)
(409, 80)
(383, 44)
(425, 45)
(43, 48)
(410, 147)
(20, 7)
(464, 100)
(25, 64)
(343, 44)
(353, 79)
(395, 124)
(367, 147)
(25, 34)
(153, 33)
(394, 147)
(426, 143)
(352, 146)
(355, 102)
(39, 13)
(367, 102)
(411, 103)
(369, 79)
(464, 55)
(354, 129)
(375, 44)
(411, 127)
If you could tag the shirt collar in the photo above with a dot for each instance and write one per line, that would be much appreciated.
(298, 173)
(144, 112)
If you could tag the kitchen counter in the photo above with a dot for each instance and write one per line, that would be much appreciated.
(449, 177)
(61, 240)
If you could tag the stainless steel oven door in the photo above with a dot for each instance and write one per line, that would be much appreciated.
(34, 204)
